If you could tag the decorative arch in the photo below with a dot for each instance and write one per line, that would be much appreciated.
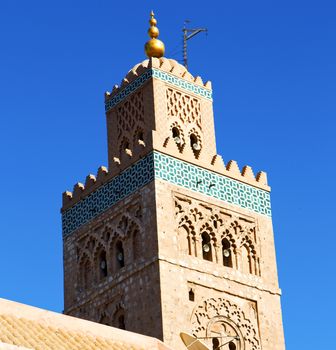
(177, 135)
(124, 147)
(218, 317)
(105, 319)
(228, 249)
(119, 317)
(249, 258)
(195, 142)
(85, 273)
(209, 243)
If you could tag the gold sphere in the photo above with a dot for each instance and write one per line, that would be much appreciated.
(154, 48)
(153, 22)
(153, 32)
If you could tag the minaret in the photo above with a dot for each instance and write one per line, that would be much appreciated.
(169, 238)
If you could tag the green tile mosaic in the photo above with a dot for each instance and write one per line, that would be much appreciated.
(204, 181)
(158, 74)
(160, 166)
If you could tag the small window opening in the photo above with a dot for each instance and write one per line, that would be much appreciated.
(227, 255)
(120, 255)
(215, 343)
(121, 322)
(189, 245)
(232, 346)
(191, 295)
(103, 265)
(176, 136)
(206, 247)
(194, 144)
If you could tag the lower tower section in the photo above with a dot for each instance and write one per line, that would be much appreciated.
(111, 270)
(217, 272)
(167, 246)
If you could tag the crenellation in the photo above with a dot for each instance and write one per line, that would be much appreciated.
(262, 178)
(124, 82)
(78, 191)
(198, 80)
(232, 167)
(247, 173)
(167, 65)
(217, 165)
(66, 198)
(102, 174)
(90, 181)
(208, 85)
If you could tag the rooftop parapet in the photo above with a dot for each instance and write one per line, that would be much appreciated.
(164, 64)
(231, 170)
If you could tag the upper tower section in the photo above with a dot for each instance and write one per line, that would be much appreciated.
(160, 106)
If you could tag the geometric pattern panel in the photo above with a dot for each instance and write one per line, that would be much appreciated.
(186, 107)
(121, 186)
(160, 166)
(207, 182)
(161, 75)
(181, 83)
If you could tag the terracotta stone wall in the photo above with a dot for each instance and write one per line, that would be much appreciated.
(132, 291)
(250, 299)
(169, 283)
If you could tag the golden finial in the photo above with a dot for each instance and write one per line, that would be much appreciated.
(154, 47)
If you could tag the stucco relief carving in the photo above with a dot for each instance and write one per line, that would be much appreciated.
(183, 106)
(230, 239)
(130, 124)
(104, 250)
(224, 322)
(130, 113)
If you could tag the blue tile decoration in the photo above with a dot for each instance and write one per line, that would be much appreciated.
(181, 83)
(121, 186)
(158, 74)
(175, 171)
(207, 182)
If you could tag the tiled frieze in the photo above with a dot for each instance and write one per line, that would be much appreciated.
(161, 75)
(160, 166)
(121, 186)
(212, 184)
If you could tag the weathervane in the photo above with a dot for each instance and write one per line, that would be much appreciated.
(188, 34)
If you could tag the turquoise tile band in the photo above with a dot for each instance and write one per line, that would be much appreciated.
(121, 186)
(160, 166)
(158, 74)
(207, 182)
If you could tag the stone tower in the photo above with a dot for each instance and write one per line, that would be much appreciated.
(168, 238)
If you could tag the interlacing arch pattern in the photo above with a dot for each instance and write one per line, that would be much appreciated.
(177, 134)
(130, 124)
(217, 235)
(130, 113)
(184, 112)
(187, 108)
(104, 252)
(112, 313)
(231, 318)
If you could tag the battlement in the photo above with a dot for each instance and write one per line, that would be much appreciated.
(164, 64)
(230, 170)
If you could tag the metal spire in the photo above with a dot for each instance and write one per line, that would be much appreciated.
(188, 34)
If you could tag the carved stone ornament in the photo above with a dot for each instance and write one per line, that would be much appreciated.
(224, 322)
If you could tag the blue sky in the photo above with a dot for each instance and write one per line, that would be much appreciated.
(273, 69)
